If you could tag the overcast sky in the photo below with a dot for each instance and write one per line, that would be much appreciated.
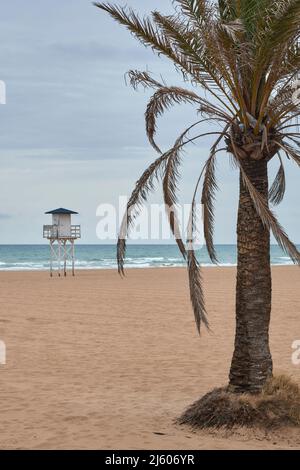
(72, 133)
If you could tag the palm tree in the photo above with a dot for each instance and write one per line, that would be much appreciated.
(245, 55)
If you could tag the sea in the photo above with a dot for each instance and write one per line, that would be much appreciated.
(36, 257)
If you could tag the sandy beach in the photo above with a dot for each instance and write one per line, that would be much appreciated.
(97, 362)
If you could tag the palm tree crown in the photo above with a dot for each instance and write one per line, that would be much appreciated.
(245, 54)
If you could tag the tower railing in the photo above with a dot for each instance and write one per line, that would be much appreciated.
(75, 231)
(53, 232)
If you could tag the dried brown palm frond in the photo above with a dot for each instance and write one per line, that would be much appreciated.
(277, 190)
(290, 118)
(289, 126)
(194, 44)
(151, 36)
(245, 55)
(233, 29)
(208, 196)
(288, 112)
(295, 139)
(170, 181)
(239, 69)
(163, 99)
(142, 188)
(178, 47)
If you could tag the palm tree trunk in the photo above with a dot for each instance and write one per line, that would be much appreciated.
(252, 361)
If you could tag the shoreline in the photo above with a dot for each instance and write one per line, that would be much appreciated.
(133, 268)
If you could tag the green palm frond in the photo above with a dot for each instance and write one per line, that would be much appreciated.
(194, 269)
(197, 11)
(227, 10)
(146, 32)
(196, 290)
(290, 152)
(170, 183)
(139, 196)
(210, 187)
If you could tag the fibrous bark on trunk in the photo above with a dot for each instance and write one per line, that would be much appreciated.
(252, 361)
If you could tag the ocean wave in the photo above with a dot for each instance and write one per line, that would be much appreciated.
(36, 258)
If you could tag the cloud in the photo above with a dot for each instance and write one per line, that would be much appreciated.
(73, 154)
(93, 50)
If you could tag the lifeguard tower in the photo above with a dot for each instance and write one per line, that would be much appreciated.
(62, 235)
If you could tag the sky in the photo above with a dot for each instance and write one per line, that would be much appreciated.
(72, 132)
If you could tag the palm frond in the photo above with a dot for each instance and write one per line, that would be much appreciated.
(194, 270)
(163, 99)
(268, 218)
(227, 10)
(199, 12)
(137, 77)
(147, 33)
(290, 152)
(196, 290)
(278, 31)
(208, 196)
(211, 71)
(277, 190)
(170, 181)
(139, 195)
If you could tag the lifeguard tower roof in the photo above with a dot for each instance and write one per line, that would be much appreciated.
(61, 210)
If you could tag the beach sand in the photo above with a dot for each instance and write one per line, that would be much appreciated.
(97, 362)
